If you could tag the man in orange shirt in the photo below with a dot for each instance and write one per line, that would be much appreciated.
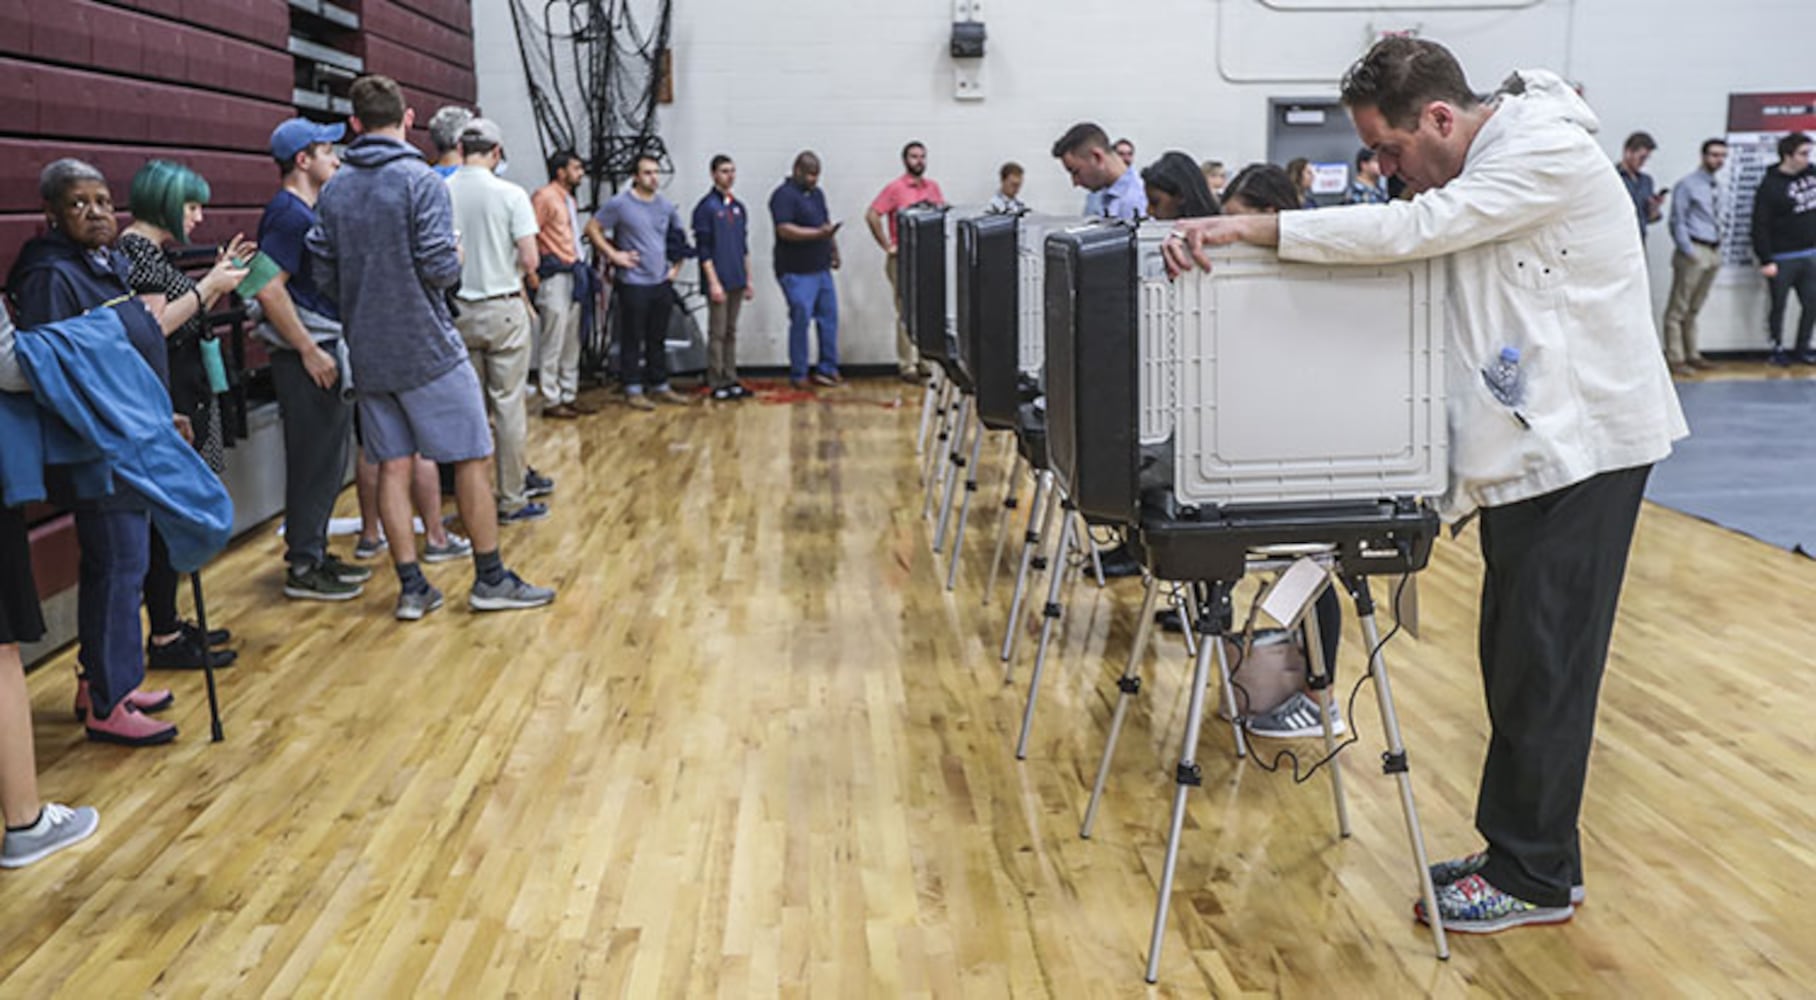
(912, 188)
(563, 286)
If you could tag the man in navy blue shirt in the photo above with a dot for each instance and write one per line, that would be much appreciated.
(722, 240)
(807, 252)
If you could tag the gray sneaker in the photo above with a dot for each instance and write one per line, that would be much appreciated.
(456, 548)
(369, 550)
(508, 594)
(413, 604)
(1296, 718)
(57, 827)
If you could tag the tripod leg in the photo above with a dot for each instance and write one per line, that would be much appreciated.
(1321, 685)
(964, 508)
(201, 620)
(957, 458)
(1127, 685)
(1046, 499)
(1187, 775)
(1055, 580)
(1394, 760)
(1084, 528)
(929, 399)
(931, 464)
(1010, 501)
(1237, 733)
(1188, 615)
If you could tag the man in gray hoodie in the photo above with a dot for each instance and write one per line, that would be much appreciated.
(386, 251)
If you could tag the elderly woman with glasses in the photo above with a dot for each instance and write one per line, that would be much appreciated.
(60, 275)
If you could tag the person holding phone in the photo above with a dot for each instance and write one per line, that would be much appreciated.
(1647, 202)
(806, 254)
(167, 201)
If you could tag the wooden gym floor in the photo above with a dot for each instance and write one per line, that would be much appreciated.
(755, 749)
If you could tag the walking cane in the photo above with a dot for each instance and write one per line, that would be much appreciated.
(201, 617)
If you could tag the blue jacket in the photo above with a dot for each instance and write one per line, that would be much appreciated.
(383, 251)
(96, 405)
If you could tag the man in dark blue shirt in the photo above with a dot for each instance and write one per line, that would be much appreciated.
(807, 252)
(303, 330)
(722, 240)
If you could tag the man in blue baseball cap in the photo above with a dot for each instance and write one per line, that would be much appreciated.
(303, 330)
(298, 134)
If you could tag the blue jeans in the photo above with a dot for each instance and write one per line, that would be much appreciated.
(116, 550)
(811, 297)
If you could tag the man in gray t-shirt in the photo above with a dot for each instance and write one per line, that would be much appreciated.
(640, 233)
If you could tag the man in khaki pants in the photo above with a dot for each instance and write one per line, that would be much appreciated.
(913, 187)
(497, 230)
(1696, 230)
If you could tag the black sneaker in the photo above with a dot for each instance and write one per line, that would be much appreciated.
(318, 583)
(346, 572)
(725, 393)
(1779, 358)
(185, 653)
(535, 484)
(216, 636)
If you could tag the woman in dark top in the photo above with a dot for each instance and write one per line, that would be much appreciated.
(1177, 188)
(1264, 189)
(167, 201)
(63, 274)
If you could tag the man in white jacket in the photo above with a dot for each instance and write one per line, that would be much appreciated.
(1559, 405)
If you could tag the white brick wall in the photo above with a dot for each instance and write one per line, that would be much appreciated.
(854, 79)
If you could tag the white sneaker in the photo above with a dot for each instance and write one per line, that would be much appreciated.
(1296, 718)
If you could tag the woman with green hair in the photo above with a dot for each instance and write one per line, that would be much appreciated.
(167, 200)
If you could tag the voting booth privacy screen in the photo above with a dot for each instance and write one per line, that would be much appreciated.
(988, 323)
(1301, 382)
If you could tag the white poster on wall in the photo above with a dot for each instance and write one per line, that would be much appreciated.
(1330, 178)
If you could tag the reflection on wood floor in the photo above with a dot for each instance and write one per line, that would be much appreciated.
(755, 748)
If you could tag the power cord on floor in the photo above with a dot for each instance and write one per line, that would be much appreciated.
(1274, 764)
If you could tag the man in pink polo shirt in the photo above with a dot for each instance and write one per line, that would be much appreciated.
(912, 188)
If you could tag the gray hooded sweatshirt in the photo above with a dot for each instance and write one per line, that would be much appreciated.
(384, 251)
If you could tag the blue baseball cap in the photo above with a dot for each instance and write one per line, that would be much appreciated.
(298, 134)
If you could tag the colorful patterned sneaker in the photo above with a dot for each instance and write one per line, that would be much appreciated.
(1471, 905)
(1298, 717)
(454, 548)
(57, 827)
(1445, 872)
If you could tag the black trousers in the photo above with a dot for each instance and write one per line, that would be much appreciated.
(1554, 566)
(317, 426)
(161, 580)
(643, 312)
(1798, 275)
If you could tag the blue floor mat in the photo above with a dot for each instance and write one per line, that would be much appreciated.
(1749, 464)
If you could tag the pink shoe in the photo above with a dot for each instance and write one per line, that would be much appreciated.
(126, 725)
(145, 701)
